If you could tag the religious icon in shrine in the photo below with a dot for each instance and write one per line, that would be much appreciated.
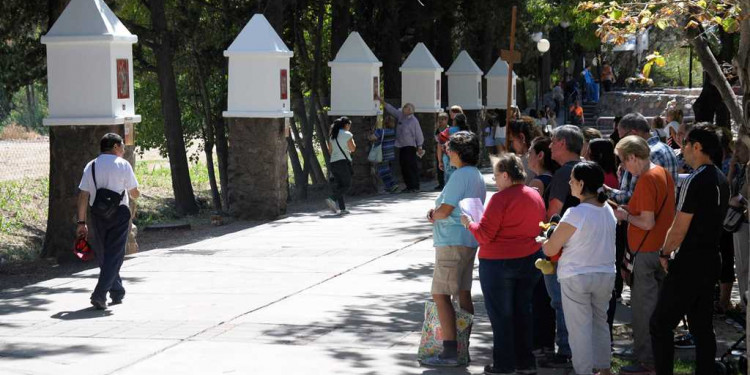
(123, 79)
(284, 84)
(375, 87)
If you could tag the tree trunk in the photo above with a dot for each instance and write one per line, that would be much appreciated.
(164, 52)
(712, 68)
(390, 49)
(293, 156)
(30, 106)
(54, 10)
(274, 12)
(444, 45)
(743, 69)
(208, 133)
(71, 148)
(340, 21)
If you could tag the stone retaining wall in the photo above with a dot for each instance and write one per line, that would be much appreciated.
(649, 103)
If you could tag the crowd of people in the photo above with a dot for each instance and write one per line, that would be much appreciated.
(645, 207)
(631, 209)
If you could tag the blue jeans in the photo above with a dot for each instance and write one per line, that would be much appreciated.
(507, 286)
(555, 294)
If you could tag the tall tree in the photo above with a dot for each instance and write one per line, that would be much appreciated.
(163, 43)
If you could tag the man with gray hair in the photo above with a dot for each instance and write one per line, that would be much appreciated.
(661, 154)
(409, 141)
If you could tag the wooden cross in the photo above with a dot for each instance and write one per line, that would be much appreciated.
(511, 56)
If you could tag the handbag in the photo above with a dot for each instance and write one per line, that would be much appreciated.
(734, 218)
(628, 261)
(376, 151)
(106, 201)
(431, 343)
(349, 162)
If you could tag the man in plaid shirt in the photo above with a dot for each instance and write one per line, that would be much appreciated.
(661, 154)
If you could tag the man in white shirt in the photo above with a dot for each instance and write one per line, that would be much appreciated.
(108, 171)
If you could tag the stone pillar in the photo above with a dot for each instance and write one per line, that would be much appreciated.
(428, 122)
(257, 168)
(71, 148)
(475, 120)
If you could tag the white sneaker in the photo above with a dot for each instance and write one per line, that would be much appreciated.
(345, 212)
(332, 205)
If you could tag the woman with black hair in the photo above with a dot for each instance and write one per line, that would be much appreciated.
(586, 269)
(602, 152)
(340, 146)
(541, 163)
(521, 132)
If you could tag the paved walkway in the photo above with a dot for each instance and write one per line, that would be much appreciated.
(309, 293)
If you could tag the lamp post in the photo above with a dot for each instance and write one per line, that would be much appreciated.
(542, 45)
(564, 25)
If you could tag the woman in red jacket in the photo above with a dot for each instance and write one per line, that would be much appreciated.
(507, 251)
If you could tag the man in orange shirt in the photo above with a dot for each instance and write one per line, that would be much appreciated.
(649, 216)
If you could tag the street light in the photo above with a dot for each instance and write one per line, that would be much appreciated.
(564, 25)
(542, 45)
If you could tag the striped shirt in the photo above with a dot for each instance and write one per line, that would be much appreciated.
(661, 155)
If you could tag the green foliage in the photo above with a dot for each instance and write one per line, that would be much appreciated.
(29, 115)
(676, 70)
(22, 58)
(23, 217)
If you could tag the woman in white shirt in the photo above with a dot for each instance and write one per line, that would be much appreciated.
(586, 270)
(341, 146)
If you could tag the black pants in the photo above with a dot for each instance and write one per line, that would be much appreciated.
(544, 317)
(408, 160)
(342, 181)
(727, 258)
(440, 177)
(687, 289)
(111, 236)
(621, 241)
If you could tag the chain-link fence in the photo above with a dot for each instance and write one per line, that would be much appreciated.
(24, 159)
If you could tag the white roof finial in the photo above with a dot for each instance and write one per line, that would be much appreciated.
(88, 20)
(258, 37)
(421, 59)
(464, 65)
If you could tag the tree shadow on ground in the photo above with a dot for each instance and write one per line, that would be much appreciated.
(11, 351)
(389, 324)
(29, 299)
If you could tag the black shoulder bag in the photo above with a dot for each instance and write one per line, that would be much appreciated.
(629, 259)
(349, 162)
(106, 201)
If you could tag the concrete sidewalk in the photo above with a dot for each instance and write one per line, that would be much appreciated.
(310, 293)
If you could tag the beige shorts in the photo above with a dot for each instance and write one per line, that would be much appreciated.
(454, 268)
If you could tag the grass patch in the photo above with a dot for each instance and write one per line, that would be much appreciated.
(680, 367)
(23, 207)
(23, 218)
(156, 204)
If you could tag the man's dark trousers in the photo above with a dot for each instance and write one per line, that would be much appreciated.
(408, 160)
(687, 289)
(111, 237)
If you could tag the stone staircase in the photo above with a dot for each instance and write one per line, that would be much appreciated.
(590, 114)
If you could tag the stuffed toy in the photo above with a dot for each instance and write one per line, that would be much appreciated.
(547, 265)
